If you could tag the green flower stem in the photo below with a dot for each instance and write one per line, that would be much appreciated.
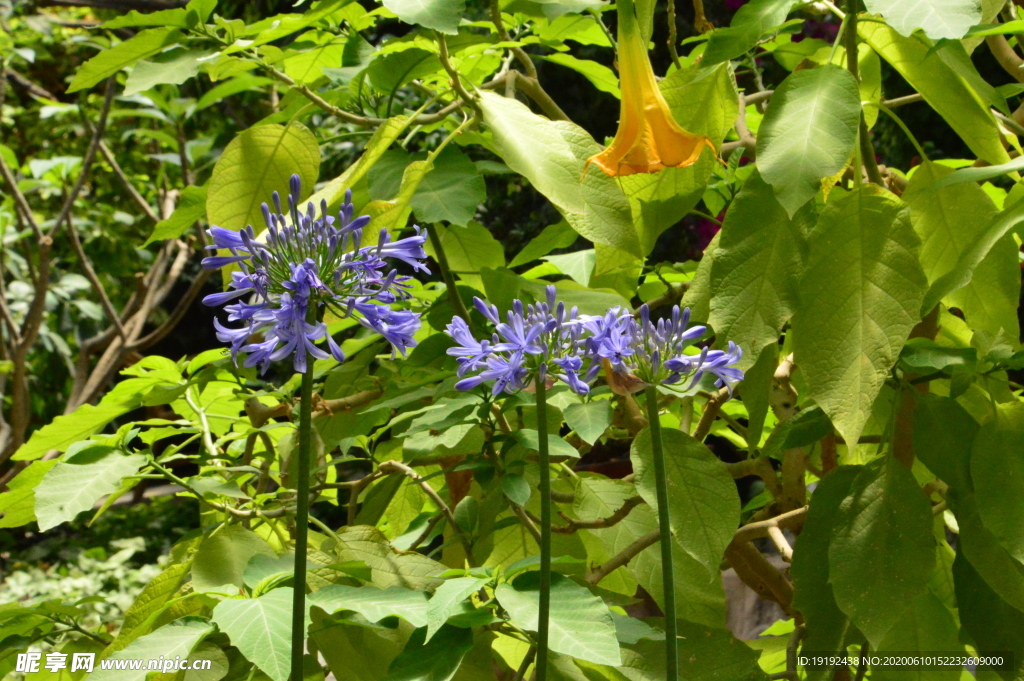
(302, 521)
(545, 531)
(665, 528)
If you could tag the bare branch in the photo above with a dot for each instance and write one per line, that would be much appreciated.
(623, 558)
(711, 409)
(90, 274)
(396, 467)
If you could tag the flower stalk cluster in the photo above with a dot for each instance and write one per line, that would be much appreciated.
(311, 262)
(539, 343)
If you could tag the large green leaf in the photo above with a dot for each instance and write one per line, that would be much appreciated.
(451, 191)
(580, 623)
(435, 660)
(973, 256)
(18, 503)
(882, 550)
(374, 604)
(599, 75)
(558, 235)
(997, 567)
(108, 62)
(937, 18)
(387, 566)
(220, 562)
(944, 434)
(997, 470)
(552, 156)
(828, 628)
(993, 625)
(589, 419)
(388, 132)
(756, 268)
(440, 15)
(808, 132)
(448, 598)
(176, 639)
(940, 86)
(704, 507)
(950, 220)
(89, 419)
(254, 165)
(75, 485)
(470, 248)
(261, 628)
(704, 655)
(355, 652)
(926, 626)
(753, 20)
(191, 206)
(138, 618)
(860, 297)
(167, 68)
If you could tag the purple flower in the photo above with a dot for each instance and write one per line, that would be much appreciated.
(530, 339)
(309, 263)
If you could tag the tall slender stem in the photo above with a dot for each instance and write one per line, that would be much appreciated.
(446, 273)
(665, 529)
(302, 521)
(545, 530)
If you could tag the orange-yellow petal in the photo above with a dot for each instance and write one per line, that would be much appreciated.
(648, 138)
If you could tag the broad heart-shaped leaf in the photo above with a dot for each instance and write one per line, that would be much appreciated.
(748, 25)
(354, 652)
(991, 622)
(254, 165)
(156, 594)
(88, 419)
(446, 600)
(882, 550)
(808, 132)
(261, 628)
(387, 566)
(18, 503)
(944, 433)
(449, 192)
(938, 18)
(705, 654)
(979, 546)
(176, 639)
(372, 603)
(828, 629)
(553, 156)
(168, 68)
(756, 268)
(580, 623)
(941, 87)
(191, 206)
(382, 138)
(972, 257)
(440, 15)
(589, 419)
(997, 470)
(950, 220)
(108, 62)
(860, 297)
(704, 506)
(69, 488)
(219, 564)
(925, 626)
(436, 660)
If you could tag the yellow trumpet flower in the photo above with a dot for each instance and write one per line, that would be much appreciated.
(648, 138)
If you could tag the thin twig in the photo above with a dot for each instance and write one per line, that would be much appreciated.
(597, 574)
(90, 274)
(396, 467)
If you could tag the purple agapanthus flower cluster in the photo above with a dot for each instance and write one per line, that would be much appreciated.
(639, 351)
(310, 262)
(655, 352)
(534, 342)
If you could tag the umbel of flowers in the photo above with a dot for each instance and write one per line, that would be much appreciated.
(539, 343)
(308, 263)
